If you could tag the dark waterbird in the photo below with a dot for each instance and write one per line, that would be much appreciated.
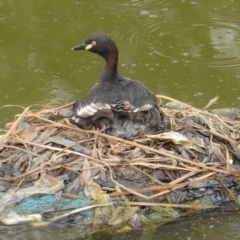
(124, 107)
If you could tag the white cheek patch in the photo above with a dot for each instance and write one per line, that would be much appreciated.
(90, 110)
(88, 46)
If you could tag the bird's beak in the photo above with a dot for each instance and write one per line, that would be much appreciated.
(82, 46)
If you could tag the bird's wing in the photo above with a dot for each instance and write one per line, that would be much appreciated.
(126, 106)
(134, 97)
(95, 110)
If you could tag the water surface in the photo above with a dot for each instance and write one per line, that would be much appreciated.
(189, 50)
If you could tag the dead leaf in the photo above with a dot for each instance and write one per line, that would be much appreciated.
(86, 173)
(27, 134)
(61, 140)
(48, 133)
(75, 185)
(174, 137)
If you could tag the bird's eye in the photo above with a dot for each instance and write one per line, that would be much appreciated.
(93, 43)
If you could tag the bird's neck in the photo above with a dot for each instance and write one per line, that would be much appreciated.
(110, 71)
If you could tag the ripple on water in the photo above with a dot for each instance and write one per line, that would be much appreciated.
(133, 41)
(133, 4)
(212, 40)
(206, 38)
(225, 40)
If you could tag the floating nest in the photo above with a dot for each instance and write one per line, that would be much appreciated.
(192, 164)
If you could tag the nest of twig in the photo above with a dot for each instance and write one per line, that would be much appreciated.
(197, 155)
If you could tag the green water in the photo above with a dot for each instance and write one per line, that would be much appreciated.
(209, 227)
(188, 50)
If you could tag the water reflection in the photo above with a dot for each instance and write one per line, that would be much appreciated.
(204, 227)
(58, 92)
(225, 39)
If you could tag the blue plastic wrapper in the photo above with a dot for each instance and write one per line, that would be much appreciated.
(42, 203)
